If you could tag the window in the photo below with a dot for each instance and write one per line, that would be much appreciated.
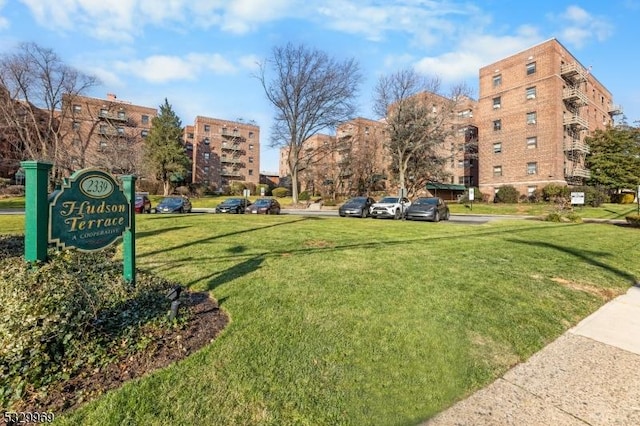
(206, 141)
(467, 113)
(461, 164)
(531, 92)
(102, 129)
(496, 102)
(207, 128)
(251, 159)
(103, 112)
(145, 120)
(497, 80)
(497, 170)
(497, 125)
(77, 108)
(531, 68)
(103, 145)
(531, 191)
(121, 115)
(144, 133)
(531, 117)
(120, 131)
(76, 125)
(250, 147)
(497, 147)
(206, 169)
(532, 142)
(250, 135)
(532, 168)
(250, 172)
(206, 156)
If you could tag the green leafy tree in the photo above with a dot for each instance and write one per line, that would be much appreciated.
(614, 159)
(164, 151)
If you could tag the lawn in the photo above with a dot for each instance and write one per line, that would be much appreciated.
(349, 321)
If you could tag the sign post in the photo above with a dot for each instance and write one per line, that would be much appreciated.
(128, 237)
(36, 210)
(472, 196)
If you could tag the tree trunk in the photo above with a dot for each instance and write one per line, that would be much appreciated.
(294, 185)
(166, 185)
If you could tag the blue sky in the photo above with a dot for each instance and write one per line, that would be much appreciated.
(201, 54)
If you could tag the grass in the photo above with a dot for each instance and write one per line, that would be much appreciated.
(348, 321)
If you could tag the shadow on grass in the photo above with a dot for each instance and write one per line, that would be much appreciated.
(216, 237)
(160, 231)
(585, 255)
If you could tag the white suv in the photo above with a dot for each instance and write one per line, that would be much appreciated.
(390, 207)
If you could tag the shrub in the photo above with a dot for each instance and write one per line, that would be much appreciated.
(304, 196)
(280, 192)
(573, 217)
(553, 217)
(4, 182)
(593, 196)
(267, 189)
(237, 188)
(72, 312)
(17, 190)
(182, 190)
(150, 186)
(633, 220)
(329, 202)
(477, 196)
(507, 194)
(552, 191)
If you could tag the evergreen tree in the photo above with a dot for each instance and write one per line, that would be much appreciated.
(164, 151)
(614, 159)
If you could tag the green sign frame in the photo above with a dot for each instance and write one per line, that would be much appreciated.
(90, 212)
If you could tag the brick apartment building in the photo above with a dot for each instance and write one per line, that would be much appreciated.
(535, 109)
(106, 133)
(345, 163)
(223, 151)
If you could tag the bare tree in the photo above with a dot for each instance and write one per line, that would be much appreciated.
(311, 92)
(419, 121)
(365, 159)
(34, 80)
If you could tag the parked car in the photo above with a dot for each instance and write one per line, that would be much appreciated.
(356, 206)
(390, 207)
(174, 204)
(233, 205)
(142, 203)
(264, 206)
(428, 208)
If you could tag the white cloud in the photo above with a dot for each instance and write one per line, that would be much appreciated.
(475, 51)
(579, 26)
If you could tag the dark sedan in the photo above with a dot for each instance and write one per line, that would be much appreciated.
(357, 206)
(143, 203)
(233, 205)
(428, 208)
(264, 206)
(174, 204)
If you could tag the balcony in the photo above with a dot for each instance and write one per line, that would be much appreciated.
(231, 173)
(573, 72)
(236, 161)
(116, 116)
(575, 96)
(233, 134)
(233, 147)
(578, 172)
(577, 146)
(575, 120)
(615, 110)
(109, 131)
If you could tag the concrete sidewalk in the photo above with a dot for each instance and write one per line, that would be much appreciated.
(588, 376)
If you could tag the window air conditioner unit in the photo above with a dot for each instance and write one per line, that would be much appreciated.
(496, 106)
(532, 96)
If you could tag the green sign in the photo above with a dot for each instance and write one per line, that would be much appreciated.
(90, 211)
